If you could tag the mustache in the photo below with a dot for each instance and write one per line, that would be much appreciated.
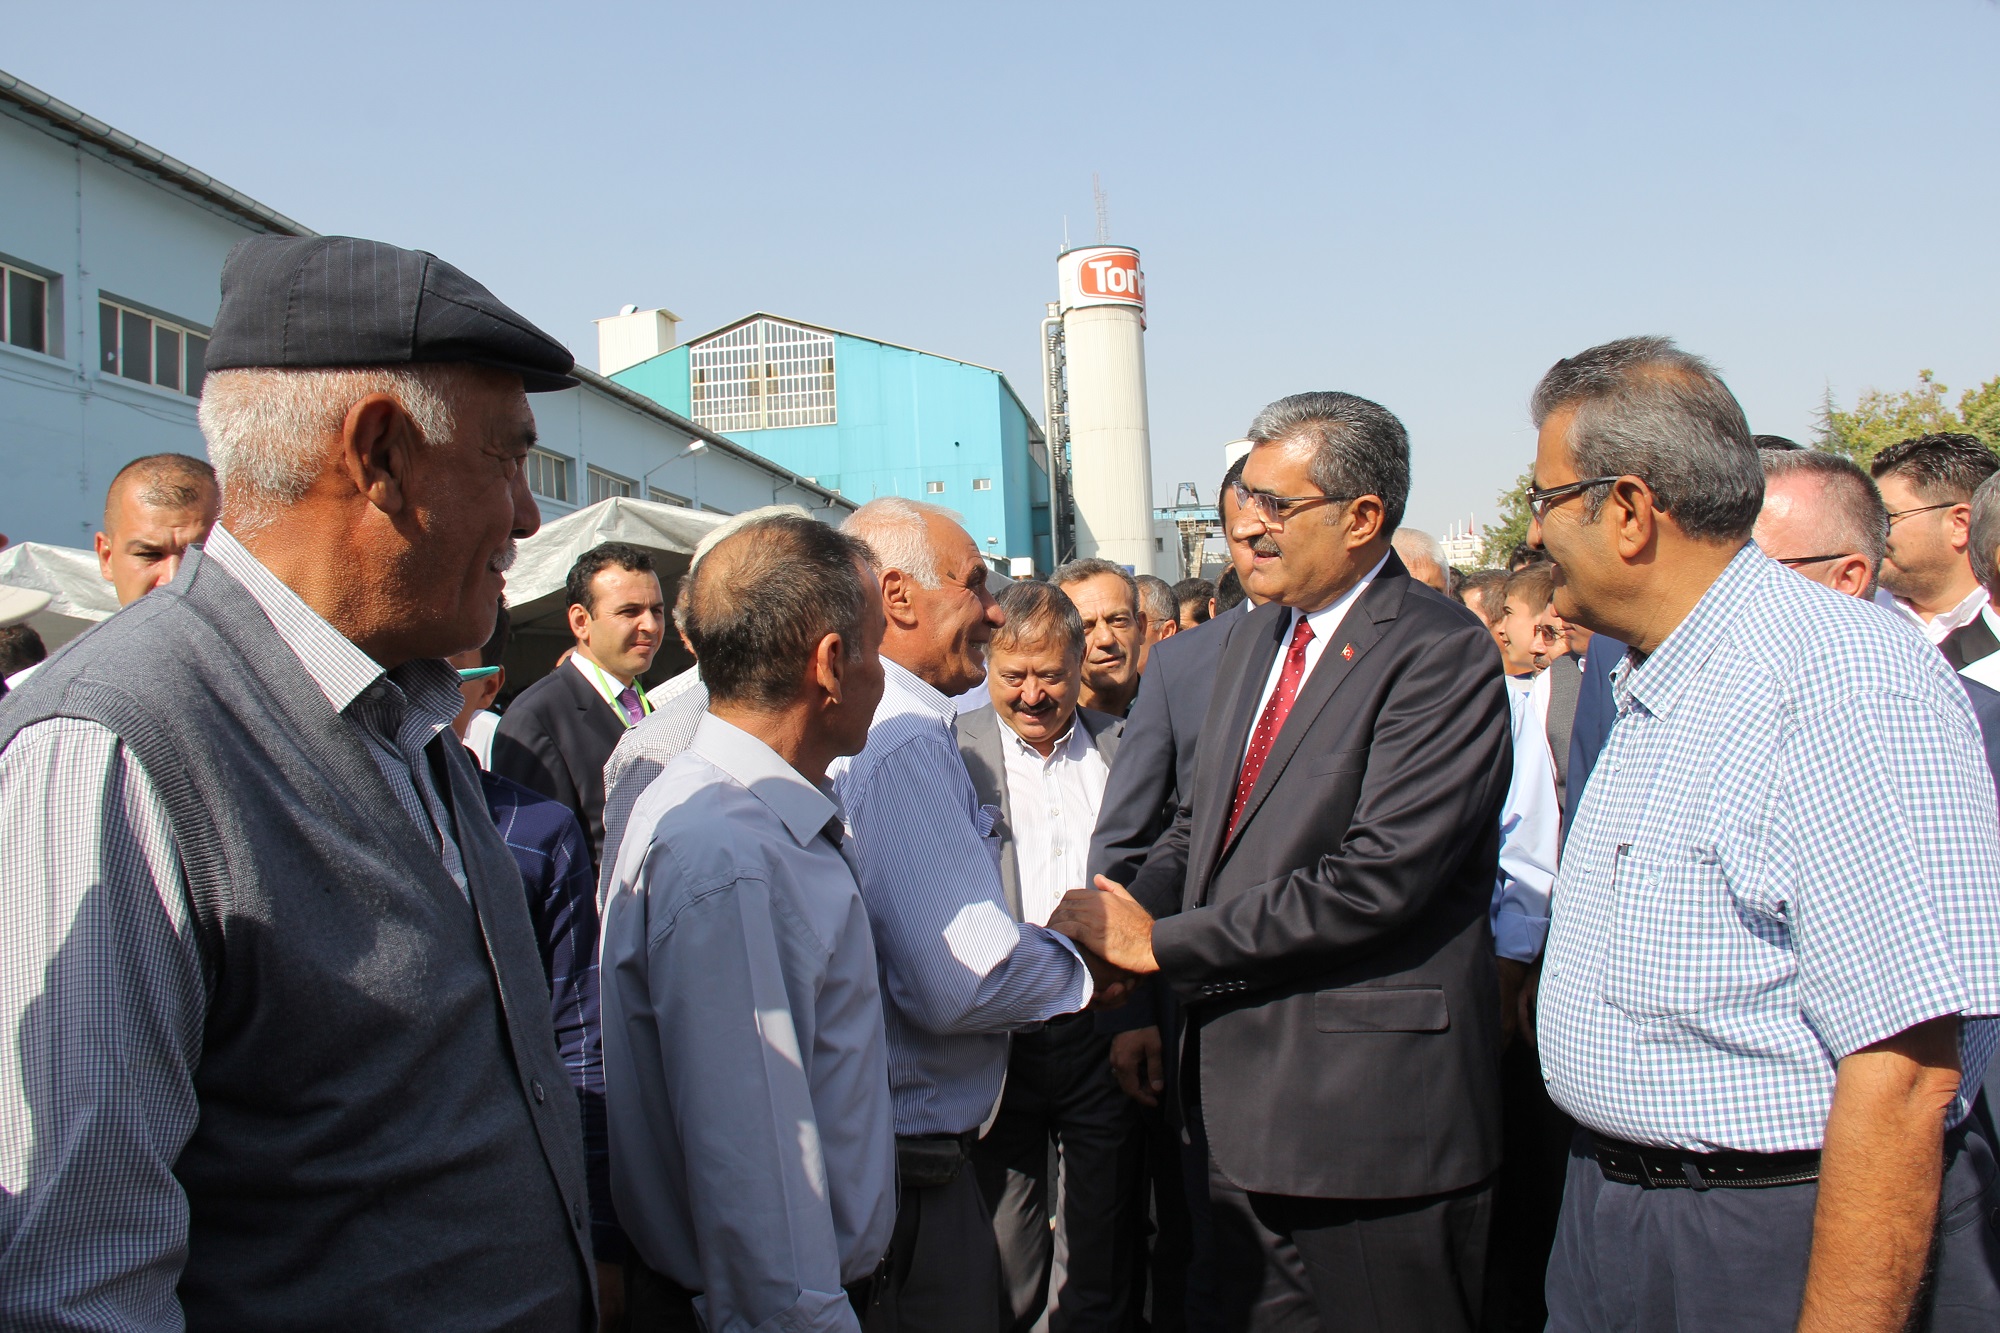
(503, 559)
(1040, 706)
(1264, 545)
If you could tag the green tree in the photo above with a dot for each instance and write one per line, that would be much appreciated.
(1512, 527)
(1880, 419)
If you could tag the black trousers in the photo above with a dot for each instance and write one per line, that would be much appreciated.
(1080, 1276)
(1734, 1260)
(1527, 1194)
(1295, 1265)
(943, 1274)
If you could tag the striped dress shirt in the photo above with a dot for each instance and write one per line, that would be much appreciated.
(959, 973)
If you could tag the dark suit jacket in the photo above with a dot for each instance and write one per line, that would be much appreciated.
(554, 739)
(1968, 643)
(1596, 710)
(980, 734)
(1334, 953)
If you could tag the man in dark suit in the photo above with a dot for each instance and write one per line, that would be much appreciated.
(1041, 763)
(1322, 899)
(555, 737)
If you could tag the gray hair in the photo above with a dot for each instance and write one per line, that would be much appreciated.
(1851, 514)
(1644, 408)
(1359, 448)
(1076, 571)
(1414, 544)
(898, 530)
(1156, 598)
(1038, 613)
(267, 428)
(1984, 536)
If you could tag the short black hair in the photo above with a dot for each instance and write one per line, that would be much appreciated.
(1944, 467)
(1038, 613)
(166, 481)
(1485, 582)
(1230, 477)
(1229, 592)
(1524, 555)
(20, 648)
(608, 555)
(1774, 443)
(1193, 597)
(762, 599)
(496, 646)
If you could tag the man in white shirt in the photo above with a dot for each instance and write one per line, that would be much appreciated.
(746, 1074)
(959, 972)
(1043, 762)
(1927, 482)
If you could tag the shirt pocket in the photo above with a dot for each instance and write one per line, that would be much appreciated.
(1670, 946)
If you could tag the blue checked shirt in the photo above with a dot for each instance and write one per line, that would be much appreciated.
(958, 972)
(1787, 852)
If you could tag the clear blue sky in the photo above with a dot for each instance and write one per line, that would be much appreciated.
(1425, 203)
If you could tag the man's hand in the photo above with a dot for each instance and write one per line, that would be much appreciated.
(1517, 1000)
(1879, 1176)
(1110, 987)
(1137, 1063)
(610, 1296)
(1108, 922)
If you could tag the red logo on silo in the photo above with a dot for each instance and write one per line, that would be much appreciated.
(1113, 276)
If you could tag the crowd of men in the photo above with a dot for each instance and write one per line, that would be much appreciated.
(1353, 943)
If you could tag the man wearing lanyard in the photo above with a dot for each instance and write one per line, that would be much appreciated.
(555, 738)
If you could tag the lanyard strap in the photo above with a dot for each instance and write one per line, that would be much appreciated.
(607, 688)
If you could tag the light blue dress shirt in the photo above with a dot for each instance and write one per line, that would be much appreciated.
(1530, 822)
(745, 1075)
(958, 972)
(1788, 851)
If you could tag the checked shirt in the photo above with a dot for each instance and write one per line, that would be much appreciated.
(1787, 852)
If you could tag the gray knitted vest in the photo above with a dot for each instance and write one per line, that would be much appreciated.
(387, 1136)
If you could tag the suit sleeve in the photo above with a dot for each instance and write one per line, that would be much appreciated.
(1438, 766)
(524, 749)
(1138, 795)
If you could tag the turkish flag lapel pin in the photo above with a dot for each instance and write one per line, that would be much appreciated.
(1347, 652)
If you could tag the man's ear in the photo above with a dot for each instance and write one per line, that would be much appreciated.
(579, 621)
(898, 598)
(1364, 520)
(1961, 527)
(103, 545)
(1629, 509)
(378, 447)
(829, 667)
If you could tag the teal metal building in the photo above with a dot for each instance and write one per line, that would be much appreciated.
(867, 418)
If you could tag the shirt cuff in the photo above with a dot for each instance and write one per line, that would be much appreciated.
(1519, 937)
(1089, 981)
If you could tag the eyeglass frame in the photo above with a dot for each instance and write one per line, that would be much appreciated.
(1899, 514)
(1794, 561)
(1541, 501)
(1264, 506)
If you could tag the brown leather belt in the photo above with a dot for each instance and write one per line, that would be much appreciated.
(1668, 1168)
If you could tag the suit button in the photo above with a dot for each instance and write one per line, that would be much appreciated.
(537, 1086)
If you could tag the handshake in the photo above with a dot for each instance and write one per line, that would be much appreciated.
(1115, 935)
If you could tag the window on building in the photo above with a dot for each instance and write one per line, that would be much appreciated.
(658, 496)
(548, 475)
(761, 376)
(141, 347)
(982, 483)
(604, 485)
(934, 488)
(25, 317)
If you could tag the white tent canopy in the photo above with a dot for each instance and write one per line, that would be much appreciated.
(544, 559)
(78, 595)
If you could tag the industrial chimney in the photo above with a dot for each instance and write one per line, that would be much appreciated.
(1103, 321)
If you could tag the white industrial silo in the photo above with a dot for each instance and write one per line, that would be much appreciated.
(1103, 315)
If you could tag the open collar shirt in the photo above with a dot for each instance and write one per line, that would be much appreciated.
(747, 1082)
(1054, 802)
(1940, 626)
(1788, 851)
(959, 973)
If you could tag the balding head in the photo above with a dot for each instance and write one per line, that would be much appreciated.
(1423, 555)
(155, 508)
(1824, 518)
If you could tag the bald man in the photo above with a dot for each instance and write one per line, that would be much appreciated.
(157, 507)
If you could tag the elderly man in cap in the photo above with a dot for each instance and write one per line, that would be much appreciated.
(277, 1036)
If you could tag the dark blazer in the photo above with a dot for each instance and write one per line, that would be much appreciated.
(1335, 954)
(1156, 756)
(1968, 643)
(1596, 710)
(555, 739)
(980, 735)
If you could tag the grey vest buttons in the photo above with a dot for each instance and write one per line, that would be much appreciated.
(537, 1086)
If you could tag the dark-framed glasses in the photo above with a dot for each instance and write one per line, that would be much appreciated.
(1274, 510)
(1898, 515)
(1794, 561)
(1541, 500)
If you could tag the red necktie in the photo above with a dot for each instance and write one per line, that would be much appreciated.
(1271, 722)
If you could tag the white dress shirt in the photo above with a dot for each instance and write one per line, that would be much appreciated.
(746, 1077)
(679, 705)
(959, 973)
(1325, 624)
(1944, 622)
(1054, 804)
(1530, 821)
(479, 730)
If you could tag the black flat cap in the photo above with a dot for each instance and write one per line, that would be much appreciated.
(331, 301)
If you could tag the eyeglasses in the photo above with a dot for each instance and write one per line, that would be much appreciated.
(1541, 501)
(1898, 515)
(1274, 511)
(1794, 561)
